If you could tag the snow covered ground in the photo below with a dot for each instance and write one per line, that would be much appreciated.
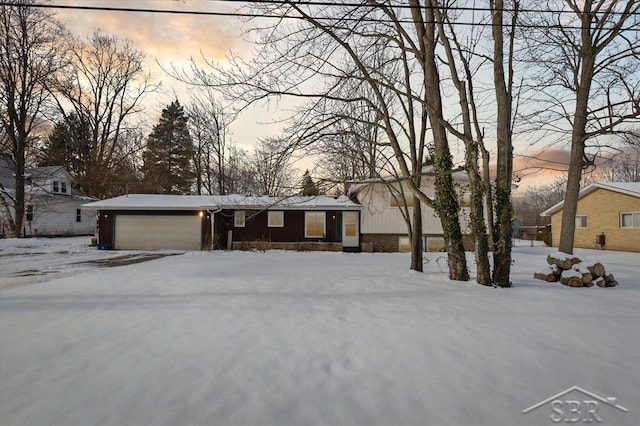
(280, 338)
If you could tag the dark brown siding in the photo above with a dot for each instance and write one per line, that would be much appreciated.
(256, 227)
(105, 230)
(207, 241)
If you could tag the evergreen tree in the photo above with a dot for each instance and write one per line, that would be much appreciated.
(68, 145)
(309, 188)
(167, 167)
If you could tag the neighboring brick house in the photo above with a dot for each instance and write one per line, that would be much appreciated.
(608, 217)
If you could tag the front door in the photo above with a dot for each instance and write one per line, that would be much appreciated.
(350, 229)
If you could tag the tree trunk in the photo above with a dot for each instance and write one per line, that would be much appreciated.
(571, 281)
(416, 237)
(478, 227)
(564, 263)
(7, 219)
(578, 136)
(446, 203)
(19, 207)
(597, 270)
(546, 276)
(503, 207)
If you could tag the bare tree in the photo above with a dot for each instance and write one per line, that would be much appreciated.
(623, 166)
(29, 56)
(271, 164)
(238, 173)
(587, 53)
(105, 84)
(537, 199)
(459, 59)
(503, 85)
(210, 123)
(339, 44)
(346, 139)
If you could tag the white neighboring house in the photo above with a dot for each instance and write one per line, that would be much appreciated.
(383, 227)
(52, 206)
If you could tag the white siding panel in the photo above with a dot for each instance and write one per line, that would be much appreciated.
(379, 218)
(57, 216)
(141, 232)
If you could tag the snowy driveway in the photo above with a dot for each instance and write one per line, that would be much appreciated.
(32, 261)
(285, 338)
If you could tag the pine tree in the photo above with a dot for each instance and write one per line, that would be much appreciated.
(309, 188)
(68, 145)
(167, 159)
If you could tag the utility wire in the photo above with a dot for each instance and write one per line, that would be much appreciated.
(398, 6)
(278, 16)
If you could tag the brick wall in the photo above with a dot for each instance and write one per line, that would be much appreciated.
(602, 208)
(389, 242)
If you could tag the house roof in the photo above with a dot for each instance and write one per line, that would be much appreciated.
(46, 172)
(426, 171)
(627, 188)
(34, 179)
(215, 202)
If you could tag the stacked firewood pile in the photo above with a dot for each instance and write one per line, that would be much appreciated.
(570, 271)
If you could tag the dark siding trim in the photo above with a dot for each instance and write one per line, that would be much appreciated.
(256, 227)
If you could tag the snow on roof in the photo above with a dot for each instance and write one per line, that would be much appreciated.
(457, 174)
(214, 202)
(628, 188)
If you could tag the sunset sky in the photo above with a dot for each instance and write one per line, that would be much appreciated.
(171, 39)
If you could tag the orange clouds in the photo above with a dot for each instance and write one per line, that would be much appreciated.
(545, 161)
(538, 167)
(166, 38)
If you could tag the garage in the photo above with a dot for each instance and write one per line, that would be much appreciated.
(158, 232)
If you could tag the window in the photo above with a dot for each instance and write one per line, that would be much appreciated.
(630, 220)
(78, 215)
(435, 244)
(428, 244)
(404, 244)
(29, 213)
(314, 225)
(350, 224)
(56, 186)
(238, 218)
(275, 220)
(396, 198)
(581, 221)
(63, 187)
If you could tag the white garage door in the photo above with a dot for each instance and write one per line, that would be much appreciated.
(140, 232)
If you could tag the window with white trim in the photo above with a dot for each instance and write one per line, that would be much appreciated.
(581, 221)
(630, 220)
(314, 224)
(29, 213)
(63, 187)
(78, 215)
(275, 219)
(400, 199)
(350, 224)
(239, 218)
(56, 186)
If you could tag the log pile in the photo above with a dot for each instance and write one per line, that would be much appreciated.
(569, 270)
